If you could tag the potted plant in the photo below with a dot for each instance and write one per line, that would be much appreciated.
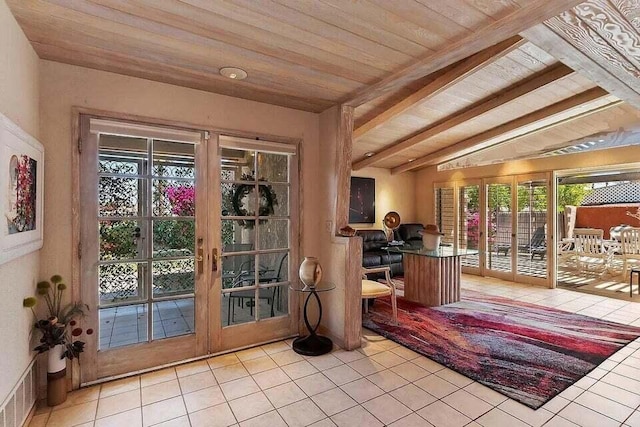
(59, 333)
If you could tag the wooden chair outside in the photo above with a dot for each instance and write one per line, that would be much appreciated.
(373, 289)
(630, 248)
(590, 249)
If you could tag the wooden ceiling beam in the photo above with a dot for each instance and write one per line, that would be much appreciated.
(521, 88)
(458, 72)
(532, 13)
(476, 142)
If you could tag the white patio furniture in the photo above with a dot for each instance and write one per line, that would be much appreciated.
(590, 250)
(630, 248)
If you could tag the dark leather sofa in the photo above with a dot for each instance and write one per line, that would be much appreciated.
(409, 233)
(374, 256)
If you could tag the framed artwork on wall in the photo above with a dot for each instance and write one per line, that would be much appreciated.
(362, 204)
(21, 191)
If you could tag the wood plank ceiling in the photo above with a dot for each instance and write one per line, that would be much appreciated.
(430, 80)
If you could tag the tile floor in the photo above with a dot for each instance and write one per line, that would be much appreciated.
(380, 384)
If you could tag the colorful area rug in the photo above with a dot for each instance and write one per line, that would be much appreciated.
(527, 352)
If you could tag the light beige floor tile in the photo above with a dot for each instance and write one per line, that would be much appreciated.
(600, 404)
(325, 361)
(204, 398)
(585, 382)
(333, 401)
(387, 380)
(270, 419)
(284, 394)
(442, 415)
(428, 364)
(73, 415)
(157, 392)
(323, 423)
(413, 420)
(286, 357)
(436, 386)
(223, 360)
(118, 403)
(182, 421)
(616, 394)
(622, 382)
(524, 413)
(468, 404)
(42, 407)
(362, 390)
(341, 374)
(80, 396)
(250, 353)
(156, 377)
(633, 420)
(366, 366)
(586, 417)
(348, 356)
(271, 378)
(386, 409)
(163, 411)
(496, 417)
(120, 386)
(356, 417)
(230, 373)
(275, 347)
(454, 378)
(556, 404)
(301, 413)
(410, 371)
(214, 416)
(131, 418)
(490, 396)
(250, 406)
(405, 353)
(239, 388)
(413, 397)
(192, 368)
(259, 364)
(370, 348)
(314, 384)
(387, 359)
(299, 369)
(197, 381)
(558, 421)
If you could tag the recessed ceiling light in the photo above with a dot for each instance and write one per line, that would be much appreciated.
(233, 73)
(369, 154)
(410, 160)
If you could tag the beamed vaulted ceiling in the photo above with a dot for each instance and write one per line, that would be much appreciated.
(430, 80)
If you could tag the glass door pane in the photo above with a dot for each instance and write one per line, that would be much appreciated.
(445, 214)
(532, 228)
(256, 231)
(499, 228)
(146, 230)
(469, 226)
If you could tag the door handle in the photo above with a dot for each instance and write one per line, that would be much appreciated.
(214, 259)
(200, 255)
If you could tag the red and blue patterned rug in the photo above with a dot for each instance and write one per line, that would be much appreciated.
(527, 352)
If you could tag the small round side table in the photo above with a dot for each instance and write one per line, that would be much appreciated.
(313, 344)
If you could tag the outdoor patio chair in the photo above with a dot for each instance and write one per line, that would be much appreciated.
(373, 289)
(630, 248)
(590, 249)
(537, 245)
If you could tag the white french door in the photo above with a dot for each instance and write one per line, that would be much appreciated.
(167, 220)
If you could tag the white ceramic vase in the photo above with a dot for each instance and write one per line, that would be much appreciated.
(310, 271)
(431, 242)
(56, 362)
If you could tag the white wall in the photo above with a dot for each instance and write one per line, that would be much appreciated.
(19, 93)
